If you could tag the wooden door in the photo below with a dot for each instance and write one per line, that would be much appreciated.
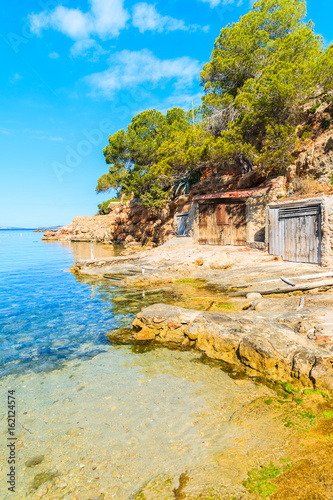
(295, 233)
(301, 233)
(222, 223)
(203, 216)
(209, 231)
(233, 230)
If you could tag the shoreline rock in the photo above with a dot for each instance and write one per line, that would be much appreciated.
(267, 348)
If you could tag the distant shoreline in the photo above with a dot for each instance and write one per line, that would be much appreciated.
(35, 229)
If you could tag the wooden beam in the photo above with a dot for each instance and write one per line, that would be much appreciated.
(300, 287)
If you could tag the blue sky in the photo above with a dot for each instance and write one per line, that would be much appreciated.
(75, 71)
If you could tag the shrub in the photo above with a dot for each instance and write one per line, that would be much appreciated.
(103, 208)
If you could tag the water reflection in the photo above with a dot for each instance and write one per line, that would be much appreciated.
(87, 249)
(47, 314)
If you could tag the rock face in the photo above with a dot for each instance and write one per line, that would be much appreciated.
(133, 223)
(128, 223)
(317, 161)
(269, 349)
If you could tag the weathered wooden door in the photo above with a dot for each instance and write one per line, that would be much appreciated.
(295, 233)
(233, 228)
(222, 223)
(204, 215)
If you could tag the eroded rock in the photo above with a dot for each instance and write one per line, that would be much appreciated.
(270, 348)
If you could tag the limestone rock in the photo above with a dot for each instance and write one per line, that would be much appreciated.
(253, 296)
(317, 162)
(259, 354)
(145, 334)
(218, 262)
(322, 372)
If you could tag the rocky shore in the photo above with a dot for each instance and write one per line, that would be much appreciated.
(270, 348)
(235, 308)
(128, 223)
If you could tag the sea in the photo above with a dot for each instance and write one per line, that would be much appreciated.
(87, 419)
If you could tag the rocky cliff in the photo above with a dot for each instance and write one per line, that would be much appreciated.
(310, 174)
(127, 223)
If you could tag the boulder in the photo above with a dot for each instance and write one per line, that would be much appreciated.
(221, 261)
(253, 296)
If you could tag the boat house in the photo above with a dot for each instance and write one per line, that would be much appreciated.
(301, 230)
(233, 217)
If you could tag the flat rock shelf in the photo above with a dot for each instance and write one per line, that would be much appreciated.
(269, 348)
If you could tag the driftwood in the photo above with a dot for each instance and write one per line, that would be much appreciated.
(301, 287)
(285, 280)
(302, 277)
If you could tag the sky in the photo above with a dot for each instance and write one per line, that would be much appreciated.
(76, 71)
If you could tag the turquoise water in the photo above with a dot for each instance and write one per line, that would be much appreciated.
(46, 315)
(103, 419)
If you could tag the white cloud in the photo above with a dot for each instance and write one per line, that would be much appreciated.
(215, 3)
(17, 76)
(70, 22)
(128, 69)
(54, 55)
(110, 17)
(87, 47)
(56, 139)
(146, 18)
(105, 19)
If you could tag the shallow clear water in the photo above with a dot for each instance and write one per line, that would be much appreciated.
(105, 419)
(46, 316)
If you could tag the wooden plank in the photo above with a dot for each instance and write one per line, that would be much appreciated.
(300, 287)
(285, 280)
(221, 216)
(303, 277)
(273, 240)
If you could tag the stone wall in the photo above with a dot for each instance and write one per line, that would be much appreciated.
(256, 211)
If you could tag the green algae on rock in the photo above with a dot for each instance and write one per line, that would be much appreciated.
(43, 477)
(32, 462)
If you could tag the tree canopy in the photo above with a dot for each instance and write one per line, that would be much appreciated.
(262, 70)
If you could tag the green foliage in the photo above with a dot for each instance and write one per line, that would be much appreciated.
(155, 197)
(137, 156)
(259, 480)
(310, 392)
(328, 414)
(262, 70)
(103, 208)
(315, 106)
